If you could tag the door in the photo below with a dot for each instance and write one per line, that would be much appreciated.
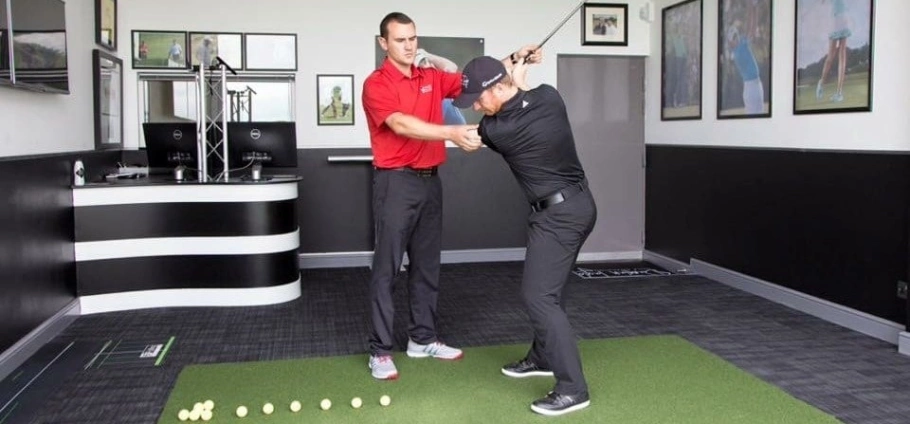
(605, 99)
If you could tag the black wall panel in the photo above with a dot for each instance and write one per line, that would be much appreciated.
(37, 269)
(483, 207)
(829, 224)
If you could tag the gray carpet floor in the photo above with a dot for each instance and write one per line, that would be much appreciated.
(851, 376)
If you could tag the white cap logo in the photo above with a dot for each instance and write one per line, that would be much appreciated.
(177, 135)
(255, 134)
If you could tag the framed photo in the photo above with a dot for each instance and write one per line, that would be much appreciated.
(270, 52)
(833, 64)
(107, 76)
(160, 50)
(605, 24)
(106, 24)
(336, 99)
(744, 59)
(449, 54)
(681, 61)
(4, 54)
(206, 46)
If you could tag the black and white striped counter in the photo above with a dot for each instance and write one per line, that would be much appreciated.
(147, 243)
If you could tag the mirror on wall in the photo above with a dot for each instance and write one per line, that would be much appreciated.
(175, 99)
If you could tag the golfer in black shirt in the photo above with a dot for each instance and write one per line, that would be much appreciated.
(530, 129)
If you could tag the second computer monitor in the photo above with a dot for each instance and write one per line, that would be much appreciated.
(271, 144)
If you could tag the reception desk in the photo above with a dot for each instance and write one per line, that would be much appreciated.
(150, 243)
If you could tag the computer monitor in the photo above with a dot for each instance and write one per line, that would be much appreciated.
(170, 144)
(269, 144)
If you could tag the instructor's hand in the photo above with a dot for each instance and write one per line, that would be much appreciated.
(465, 137)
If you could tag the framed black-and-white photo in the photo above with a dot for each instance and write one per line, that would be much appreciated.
(160, 50)
(270, 52)
(106, 24)
(206, 46)
(744, 59)
(107, 76)
(605, 24)
(681, 64)
(833, 64)
(335, 101)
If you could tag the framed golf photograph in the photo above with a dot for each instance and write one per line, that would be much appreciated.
(106, 24)
(270, 52)
(107, 76)
(335, 99)
(206, 46)
(833, 66)
(681, 63)
(605, 24)
(744, 59)
(159, 50)
(449, 54)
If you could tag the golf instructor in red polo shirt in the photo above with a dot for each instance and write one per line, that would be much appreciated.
(403, 105)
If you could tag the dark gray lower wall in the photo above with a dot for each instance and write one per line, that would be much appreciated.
(483, 205)
(829, 224)
(37, 269)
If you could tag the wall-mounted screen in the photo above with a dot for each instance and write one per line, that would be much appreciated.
(39, 60)
(5, 48)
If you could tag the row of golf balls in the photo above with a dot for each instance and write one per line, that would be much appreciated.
(203, 410)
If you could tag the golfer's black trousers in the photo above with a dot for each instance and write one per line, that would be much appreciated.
(407, 216)
(555, 236)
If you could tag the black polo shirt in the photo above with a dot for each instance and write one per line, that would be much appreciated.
(533, 135)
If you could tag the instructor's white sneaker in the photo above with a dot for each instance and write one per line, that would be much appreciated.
(436, 350)
(383, 368)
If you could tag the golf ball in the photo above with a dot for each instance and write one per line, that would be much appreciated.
(241, 411)
(356, 402)
(295, 406)
(268, 408)
(325, 404)
(385, 400)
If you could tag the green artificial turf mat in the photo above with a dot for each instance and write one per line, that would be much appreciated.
(653, 379)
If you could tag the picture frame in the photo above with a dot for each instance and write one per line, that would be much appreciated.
(335, 99)
(106, 24)
(681, 61)
(744, 46)
(156, 50)
(270, 52)
(226, 45)
(107, 79)
(825, 32)
(605, 24)
(449, 54)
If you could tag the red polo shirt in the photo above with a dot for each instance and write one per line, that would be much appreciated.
(387, 91)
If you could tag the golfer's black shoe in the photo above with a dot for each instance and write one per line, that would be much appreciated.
(525, 368)
(557, 404)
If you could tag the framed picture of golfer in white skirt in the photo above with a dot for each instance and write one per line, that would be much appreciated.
(833, 67)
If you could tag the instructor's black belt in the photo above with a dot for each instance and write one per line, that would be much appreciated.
(420, 172)
(558, 197)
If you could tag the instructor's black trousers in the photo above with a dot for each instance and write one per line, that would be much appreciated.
(407, 216)
(555, 236)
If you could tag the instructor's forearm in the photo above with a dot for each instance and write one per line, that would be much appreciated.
(413, 127)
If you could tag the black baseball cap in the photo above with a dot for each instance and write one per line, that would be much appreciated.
(478, 75)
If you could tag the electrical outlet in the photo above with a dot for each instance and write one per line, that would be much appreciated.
(902, 289)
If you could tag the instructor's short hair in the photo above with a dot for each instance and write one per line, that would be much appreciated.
(399, 17)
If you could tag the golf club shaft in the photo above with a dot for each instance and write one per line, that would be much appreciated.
(552, 33)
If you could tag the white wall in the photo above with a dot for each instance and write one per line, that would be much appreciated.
(37, 123)
(886, 128)
(339, 38)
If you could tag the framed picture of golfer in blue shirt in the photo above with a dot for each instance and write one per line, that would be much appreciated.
(744, 59)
